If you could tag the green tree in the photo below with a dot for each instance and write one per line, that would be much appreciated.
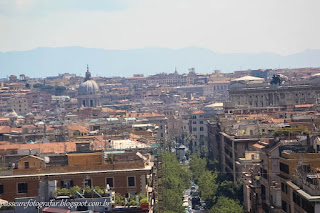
(226, 205)
(59, 90)
(214, 165)
(197, 166)
(208, 187)
(38, 86)
(230, 189)
(203, 147)
(174, 181)
(173, 201)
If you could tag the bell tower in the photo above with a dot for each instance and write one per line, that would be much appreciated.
(88, 74)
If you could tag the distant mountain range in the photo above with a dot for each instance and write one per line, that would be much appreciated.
(47, 61)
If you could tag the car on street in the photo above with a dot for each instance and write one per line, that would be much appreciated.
(196, 207)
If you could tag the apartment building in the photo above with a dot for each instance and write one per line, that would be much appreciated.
(125, 173)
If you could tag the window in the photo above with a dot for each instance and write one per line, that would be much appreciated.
(264, 173)
(194, 129)
(110, 182)
(263, 192)
(251, 132)
(201, 122)
(246, 146)
(26, 165)
(91, 103)
(201, 128)
(1, 189)
(284, 206)
(284, 168)
(66, 184)
(306, 205)
(22, 188)
(194, 122)
(131, 181)
(88, 182)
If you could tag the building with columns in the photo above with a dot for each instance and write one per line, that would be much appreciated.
(263, 94)
(88, 92)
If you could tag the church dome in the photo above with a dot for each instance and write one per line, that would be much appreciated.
(88, 87)
(88, 92)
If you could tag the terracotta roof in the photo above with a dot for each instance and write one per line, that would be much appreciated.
(106, 109)
(278, 120)
(53, 147)
(304, 105)
(143, 114)
(16, 129)
(28, 126)
(77, 128)
(198, 112)
(4, 119)
(5, 129)
(194, 102)
(73, 100)
(4, 142)
(258, 146)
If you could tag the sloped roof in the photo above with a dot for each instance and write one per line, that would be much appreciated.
(198, 112)
(5, 129)
(77, 128)
(248, 78)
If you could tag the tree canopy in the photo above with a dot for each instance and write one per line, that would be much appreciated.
(197, 166)
(174, 181)
(208, 187)
(226, 205)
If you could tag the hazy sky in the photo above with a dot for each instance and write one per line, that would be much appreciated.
(224, 26)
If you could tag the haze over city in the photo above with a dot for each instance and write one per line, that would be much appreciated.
(231, 26)
(168, 106)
